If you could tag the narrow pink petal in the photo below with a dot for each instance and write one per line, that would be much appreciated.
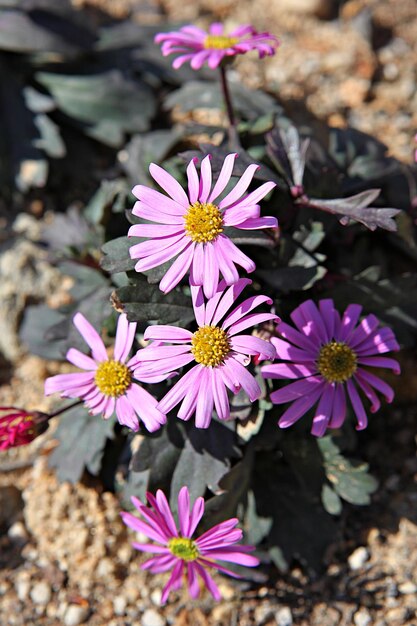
(299, 407)
(216, 28)
(150, 547)
(184, 511)
(299, 389)
(309, 321)
(193, 182)
(109, 408)
(237, 215)
(376, 382)
(164, 367)
(220, 540)
(125, 336)
(249, 321)
(174, 581)
(224, 177)
(152, 214)
(339, 407)
(197, 267)
(254, 223)
(196, 515)
(368, 391)
(166, 512)
(154, 246)
(211, 270)
(178, 269)
(362, 332)
(227, 268)
(288, 370)
(180, 389)
(357, 405)
(217, 530)
(151, 353)
(154, 230)
(218, 567)
(233, 556)
(237, 256)
(161, 257)
(188, 406)
(379, 361)
(204, 407)
(169, 184)
(181, 60)
(193, 586)
(208, 581)
(145, 406)
(324, 411)
(80, 359)
(160, 332)
(299, 339)
(141, 527)
(349, 321)
(248, 344)
(199, 59)
(221, 400)
(154, 198)
(159, 564)
(218, 306)
(240, 187)
(243, 378)
(126, 414)
(198, 304)
(64, 382)
(205, 179)
(244, 308)
(327, 312)
(91, 337)
(258, 194)
(287, 352)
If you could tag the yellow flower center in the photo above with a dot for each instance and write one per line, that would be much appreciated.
(113, 378)
(203, 222)
(219, 42)
(183, 548)
(337, 362)
(210, 345)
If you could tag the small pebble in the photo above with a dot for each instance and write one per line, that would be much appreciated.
(262, 613)
(22, 589)
(41, 593)
(358, 558)
(407, 588)
(17, 531)
(283, 616)
(152, 618)
(75, 614)
(156, 597)
(119, 605)
(362, 618)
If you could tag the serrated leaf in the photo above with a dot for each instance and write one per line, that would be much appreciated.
(116, 255)
(82, 441)
(357, 208)
(350, 481)
(146, 302)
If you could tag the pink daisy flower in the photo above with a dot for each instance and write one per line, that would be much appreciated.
(217, 348)
(190, 225)
(328, 355)
(107, 385)
(197, 46)
(177, 551)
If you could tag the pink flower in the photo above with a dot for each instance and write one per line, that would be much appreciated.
(328, 356)
(195, 45)
(218, 349)
(19, 427)
(178, 552)
(190, 227)
(107, 384)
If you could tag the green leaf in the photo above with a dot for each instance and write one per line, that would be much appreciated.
(350, 480)
(146, 302)
(116, 255)
(82, 441)
(331, 500)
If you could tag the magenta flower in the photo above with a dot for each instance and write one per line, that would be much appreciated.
(19, 427)
(195, 45)
(107, 385)
(190, 227)
(178, 551)
(329, 356)
(218, 349)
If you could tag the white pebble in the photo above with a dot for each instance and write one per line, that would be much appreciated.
(41, 593)
(75, 614)
(283, 616)
(22, 589)
(362, 618)
(119, 605)
(407, 588)
(156, 597)
(17, 531)
(152, 618)
(358, 558)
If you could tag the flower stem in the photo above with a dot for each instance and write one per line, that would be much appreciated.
(63, 409)
(233, 135)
